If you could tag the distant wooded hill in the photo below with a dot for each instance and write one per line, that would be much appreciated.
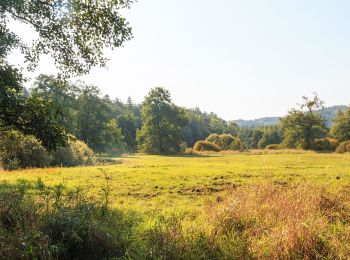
(327, 113)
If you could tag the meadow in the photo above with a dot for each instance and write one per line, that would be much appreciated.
(229, 205)
(184, 182)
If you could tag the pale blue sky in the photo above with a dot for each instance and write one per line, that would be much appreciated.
(239, 59)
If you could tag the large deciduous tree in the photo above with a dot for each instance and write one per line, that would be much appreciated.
(30, 115)
(162, 122)
(62, 94)
(303, 124)
(74, 33)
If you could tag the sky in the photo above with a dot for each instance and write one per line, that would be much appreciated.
(238, 58)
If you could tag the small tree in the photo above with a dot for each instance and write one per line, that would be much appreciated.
(162, 122)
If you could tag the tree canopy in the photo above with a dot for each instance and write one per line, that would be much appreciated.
(341, 126)
(30, 115)
(302, 125)
(162, 122)
(74, 33)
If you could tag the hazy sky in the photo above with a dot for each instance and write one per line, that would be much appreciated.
(239, 59)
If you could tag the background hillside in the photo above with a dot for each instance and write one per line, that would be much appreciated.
(327, 113)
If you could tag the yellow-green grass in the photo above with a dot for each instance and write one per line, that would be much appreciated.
(183, 183)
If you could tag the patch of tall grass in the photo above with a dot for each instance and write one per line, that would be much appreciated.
(40, 222)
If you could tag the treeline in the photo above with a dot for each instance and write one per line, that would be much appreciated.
(63, 113)
(157, 125)
(112, 126)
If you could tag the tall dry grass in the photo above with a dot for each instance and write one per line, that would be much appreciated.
(277, 221)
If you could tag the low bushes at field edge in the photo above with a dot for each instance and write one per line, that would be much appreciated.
(19, 151)
(202, 146)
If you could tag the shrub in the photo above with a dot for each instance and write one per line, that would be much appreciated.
(225, 141)
(206, 146)
(215, 139)
(272, 147)
(236, 145)
(343, 147)
(63, 156)
(83, 155)
(325, 144)
(76, 154)
(18, 151)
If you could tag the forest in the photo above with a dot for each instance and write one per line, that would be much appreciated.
(79, 114)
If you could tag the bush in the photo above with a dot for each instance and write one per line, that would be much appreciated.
(236, 144)
(215, 139)
(343, 147)
(225, 141)
(325, 144)
(76, 154)
(18, 151)
(272, 147)
(206, 146)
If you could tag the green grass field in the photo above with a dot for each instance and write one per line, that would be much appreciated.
(175, 183)
(252, 205)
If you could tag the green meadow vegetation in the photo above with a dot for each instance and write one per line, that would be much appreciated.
(288, 204)
(151, 182)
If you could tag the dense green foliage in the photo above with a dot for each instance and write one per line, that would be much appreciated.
(85, 114)
(28, 114)
(302, 127)
(20, 151)
(341, 126)
(75, 154)
(161, 124)
(271, 135)
(75, 34)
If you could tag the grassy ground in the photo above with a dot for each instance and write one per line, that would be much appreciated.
(253, 205)
(143, 183)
